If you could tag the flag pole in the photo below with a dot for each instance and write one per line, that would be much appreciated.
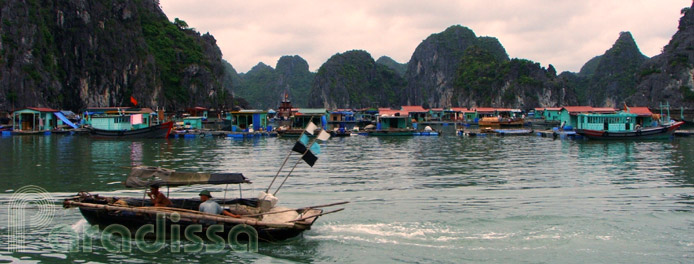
(308, 148)
(285, 162)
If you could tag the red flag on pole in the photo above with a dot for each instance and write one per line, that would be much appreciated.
(132, 100)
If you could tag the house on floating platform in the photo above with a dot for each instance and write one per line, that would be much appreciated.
(198, 111)
(343, 119)
(416, 113)
(390, 122)
(35, 119)
(249, 120)
(366, 116)
(192, 122)
(319, 116)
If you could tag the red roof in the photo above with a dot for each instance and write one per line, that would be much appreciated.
(42, 109)
(413, 108)
(604, 110)
(437, 109)
(578, 109)
(485, 109)
(640, 110)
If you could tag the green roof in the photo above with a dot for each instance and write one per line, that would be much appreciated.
(313, 111)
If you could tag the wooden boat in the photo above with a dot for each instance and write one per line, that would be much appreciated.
(156, 131)
(490, 121)
(272, 223)
(659, 132)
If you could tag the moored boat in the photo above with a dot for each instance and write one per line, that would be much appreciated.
(659, 132)
(156, 131)
(114, 122)
(624, 125)
(270, 222)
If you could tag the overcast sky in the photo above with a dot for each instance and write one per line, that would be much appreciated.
(565, 34)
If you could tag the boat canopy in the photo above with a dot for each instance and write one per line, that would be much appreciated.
(143, 176)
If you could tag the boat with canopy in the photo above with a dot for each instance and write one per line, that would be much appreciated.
(271, 222)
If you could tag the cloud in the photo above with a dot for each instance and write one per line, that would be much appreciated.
(563, 33)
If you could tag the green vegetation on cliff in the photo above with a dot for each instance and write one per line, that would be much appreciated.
(173, 50)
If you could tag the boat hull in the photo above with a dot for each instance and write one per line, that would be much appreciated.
(391, 133)
(157, 131)
(662, 132)
(104, 218)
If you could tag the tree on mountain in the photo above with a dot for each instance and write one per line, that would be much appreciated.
(180, 23)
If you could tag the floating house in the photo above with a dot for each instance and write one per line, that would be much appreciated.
(415, 112)
(245, 120)
(35, 119)
(192, 122)
(390, 119)
(548, 113)
(366, 116)
(198, 111)
(342, 119)
(318, 116)
(437, 114)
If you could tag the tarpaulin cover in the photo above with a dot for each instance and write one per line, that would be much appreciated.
(143, 176)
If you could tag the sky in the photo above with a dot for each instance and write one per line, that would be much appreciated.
(564, 33)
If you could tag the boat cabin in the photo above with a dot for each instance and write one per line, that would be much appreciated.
(607, 122)
(568, 115)
(119, 118)
(644, 116)
(35, 119)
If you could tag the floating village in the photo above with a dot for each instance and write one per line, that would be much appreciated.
(571, 122)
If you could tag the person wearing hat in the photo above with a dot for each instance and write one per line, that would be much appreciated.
(212, 207)
(158, 198)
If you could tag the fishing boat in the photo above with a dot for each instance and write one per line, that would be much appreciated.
(271, 222)
(156, 131)
(500, 117)
(125, 123)
(623, 125)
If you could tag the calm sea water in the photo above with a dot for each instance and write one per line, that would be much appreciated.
(424, 199)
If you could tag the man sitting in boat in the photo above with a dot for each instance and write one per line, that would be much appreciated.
(212, 207)
(158, 198)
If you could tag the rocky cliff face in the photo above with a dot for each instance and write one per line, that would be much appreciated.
(265, 87)
(431, 72)
(669, 77)
(399, 68)
(294, 79)
(487, 80)
(354, 80)
(74, 54)
(612, 76)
